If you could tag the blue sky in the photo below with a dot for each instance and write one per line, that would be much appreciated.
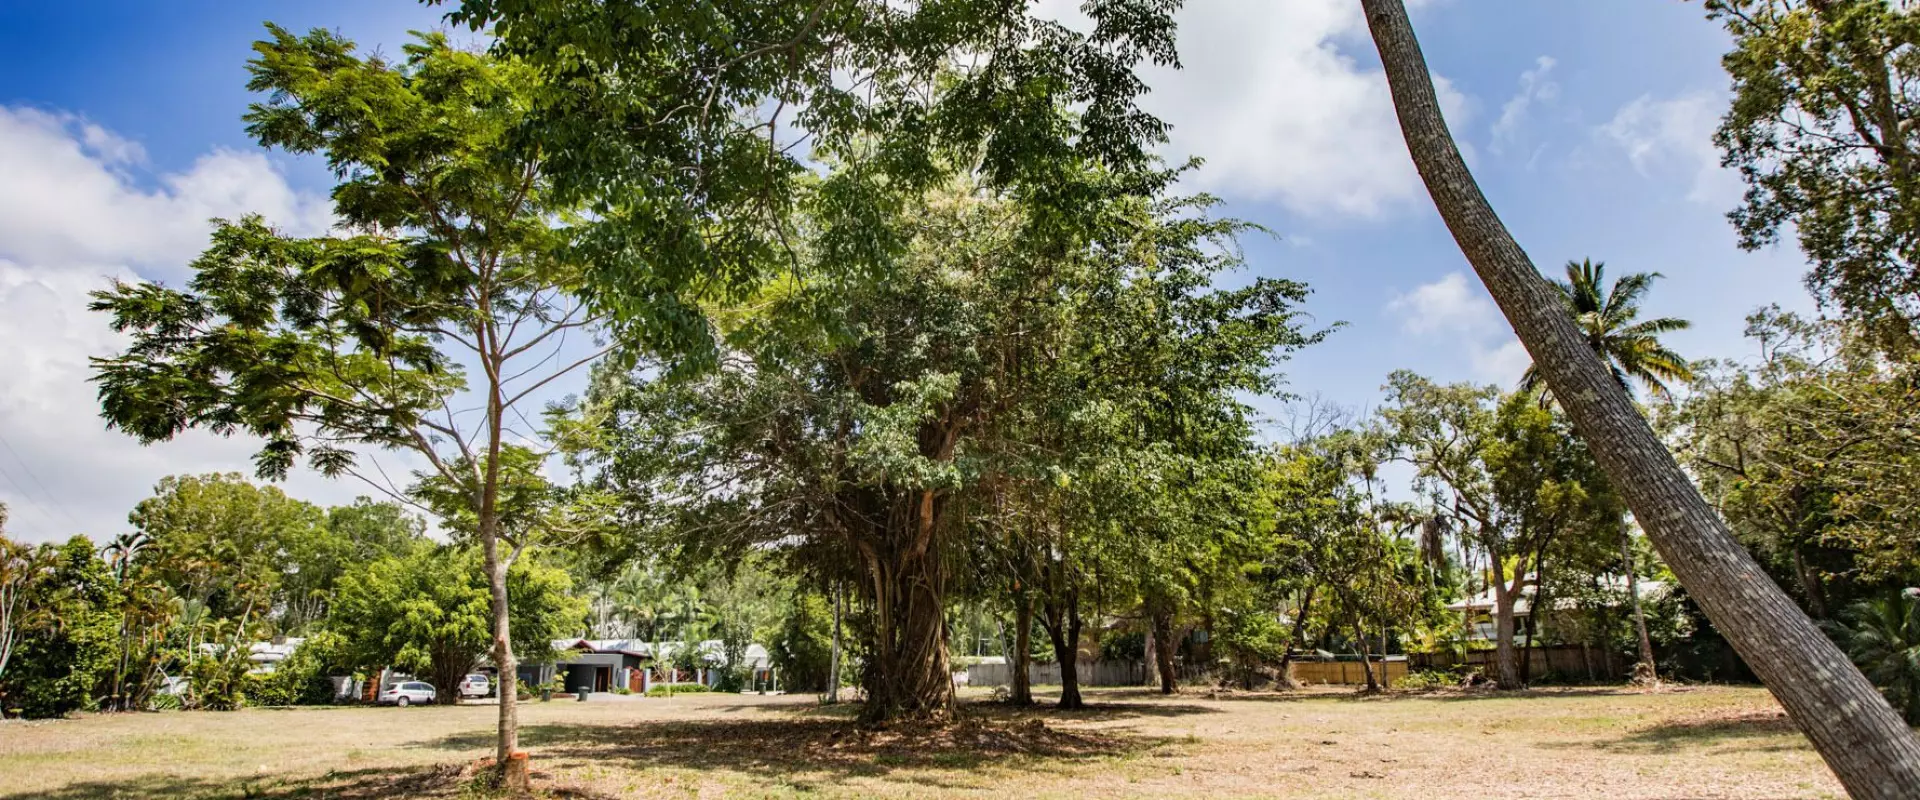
(1588, 125)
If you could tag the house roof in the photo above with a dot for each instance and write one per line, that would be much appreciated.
(712, 649)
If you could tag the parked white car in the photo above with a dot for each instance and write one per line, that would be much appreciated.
(476, 685)
(408, 693)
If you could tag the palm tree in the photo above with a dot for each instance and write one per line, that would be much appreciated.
(1609, 318)
(1868, 746)
(1882, 636)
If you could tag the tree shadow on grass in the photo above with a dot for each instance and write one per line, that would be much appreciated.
(810, 753)
(444, 780)
(1448, 695)
(1760, 731)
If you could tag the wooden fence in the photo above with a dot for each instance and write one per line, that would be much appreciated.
(1570, 662)
(1348, 673)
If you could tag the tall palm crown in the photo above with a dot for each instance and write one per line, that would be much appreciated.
(1609, 316)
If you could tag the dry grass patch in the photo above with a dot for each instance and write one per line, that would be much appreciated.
(1612, 743)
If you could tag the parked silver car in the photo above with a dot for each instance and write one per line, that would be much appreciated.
(408, 693)
(476, 685)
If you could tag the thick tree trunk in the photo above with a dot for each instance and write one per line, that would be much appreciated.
(1163, 650)
(907, 674)
(1870, 749)
(1645, 671)
(1020, 661)
(1506, 662)
(1063, 627)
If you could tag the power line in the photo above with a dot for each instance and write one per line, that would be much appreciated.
(44, 492)
(32, 503)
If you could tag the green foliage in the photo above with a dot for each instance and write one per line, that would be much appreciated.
(802, 649)
(1424, 679)
(989, 393)
(1882, 636)
(1810, 457)
(63, 625)
(671, 689)
(1250, 642)
(1821, 129)
(428, 613)
(1129, 646)
(224, 542)
(217, 679)
(304, 676)
(904, 89)
(1609, 316)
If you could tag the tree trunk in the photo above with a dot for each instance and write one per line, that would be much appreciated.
(907, 674)
(833, 661)
(1360, 646)
(1299, 628)
(1150, 656)
(1063, 627)
(1506, 661)
(1163, 650)
(513, 773)
(1019, 662)
(1645, 671)
(1870, 749)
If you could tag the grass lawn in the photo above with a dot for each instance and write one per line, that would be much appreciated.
(1731, 742)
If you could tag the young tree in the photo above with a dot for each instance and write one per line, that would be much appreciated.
(448, 285)
(1862, 739)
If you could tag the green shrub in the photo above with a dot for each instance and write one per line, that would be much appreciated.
(666, 689)
(1418, 680)
(165, 702)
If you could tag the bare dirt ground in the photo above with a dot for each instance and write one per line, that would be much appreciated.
(1720, 742)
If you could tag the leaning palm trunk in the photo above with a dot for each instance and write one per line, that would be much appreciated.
(1870, 749)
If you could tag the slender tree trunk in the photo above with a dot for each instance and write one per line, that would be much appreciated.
(1293, 639)
(1645, 671)
(1871, 750)
(1810, 582)
(833, 661)
(1360, 646)
(1020, 661)
(1163, 650)
(512, 765)
(1150, 655)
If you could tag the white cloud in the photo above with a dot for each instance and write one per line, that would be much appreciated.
(1455, 315)
(1273, 98)
(74, 215)
(1675, 137)
(1536, 87)
(1454, 303)
(67, 196)
(1502, 364)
